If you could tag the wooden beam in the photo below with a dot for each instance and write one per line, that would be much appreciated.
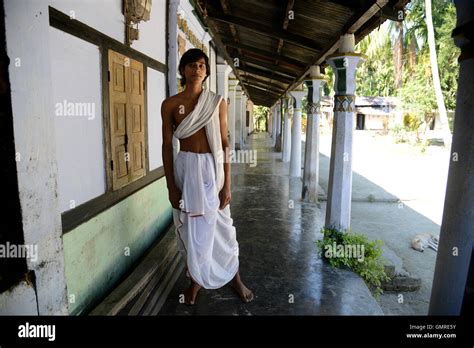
(289, 7)
(266, 74)
(270, 88)
(262, 91)
(260, 28)
(365, 14)
(264, 53)
(265, 64)
(356, 21)
(265, 82)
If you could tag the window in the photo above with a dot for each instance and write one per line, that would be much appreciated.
(127, 146)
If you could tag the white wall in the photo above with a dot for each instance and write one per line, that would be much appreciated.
(48, 66)
(103, 15)
(152, 34)
(21, 301)
(27, 35)
(156, 94)
(106, 16)
(76, 78)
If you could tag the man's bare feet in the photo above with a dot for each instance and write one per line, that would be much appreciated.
(191, 293)
(245, 294)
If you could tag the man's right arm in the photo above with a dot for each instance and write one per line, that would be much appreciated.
(167, 153)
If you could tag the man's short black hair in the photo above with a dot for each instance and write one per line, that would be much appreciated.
(190, 56)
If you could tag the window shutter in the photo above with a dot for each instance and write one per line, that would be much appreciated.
(119, 81)
(136, 120)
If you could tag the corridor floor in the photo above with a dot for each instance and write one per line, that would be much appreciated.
(279, 261)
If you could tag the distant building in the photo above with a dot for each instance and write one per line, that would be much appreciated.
(372, 113)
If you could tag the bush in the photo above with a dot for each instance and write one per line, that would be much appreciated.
(400, 134)
(412, 122)
(369, 265)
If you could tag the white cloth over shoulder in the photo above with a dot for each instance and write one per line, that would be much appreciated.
(206, 235)
(206, 114)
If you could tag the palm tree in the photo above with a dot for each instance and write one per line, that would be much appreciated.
(435, 73)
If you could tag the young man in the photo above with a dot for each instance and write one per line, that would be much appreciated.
(198, 180)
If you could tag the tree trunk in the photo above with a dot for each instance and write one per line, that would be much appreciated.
(447, 137)
(398, 56)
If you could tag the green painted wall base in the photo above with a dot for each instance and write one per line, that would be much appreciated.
(99, 252)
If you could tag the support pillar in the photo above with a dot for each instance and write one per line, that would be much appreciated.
(274, 125)
(232, 109)
(238, 118)
(311, 164)
(455, 250)
(243, 120)
(286, 131)
(344, 64)
(173, 47)
(295, 161)
(223, 71)
(278, 127)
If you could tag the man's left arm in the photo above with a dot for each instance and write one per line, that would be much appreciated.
(225, 192)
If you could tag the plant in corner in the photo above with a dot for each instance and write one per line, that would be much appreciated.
(357, 252)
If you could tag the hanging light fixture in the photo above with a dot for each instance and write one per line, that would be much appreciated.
(135, 11)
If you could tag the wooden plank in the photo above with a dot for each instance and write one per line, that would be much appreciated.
(140, 276)
(163, 290)
(157, 274)
(266, 74)
(260, 28)
(169, 286)
(268, 65)
(265, 54)
(263, 88)
(254, 82)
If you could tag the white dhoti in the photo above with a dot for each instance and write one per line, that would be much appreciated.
(206, 235)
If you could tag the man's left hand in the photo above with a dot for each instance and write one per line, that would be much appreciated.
(224, 197)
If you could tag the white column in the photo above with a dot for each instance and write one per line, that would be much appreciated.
(231, 123)
(274, 125)
(455, 250)
(243, 120)
(311, 164)
(344, 64)
(223, 71)
(238, 118)
(250, 110)
(172, 44)
(278, 127)
(270, 122)
(295, 161)
(286, 131)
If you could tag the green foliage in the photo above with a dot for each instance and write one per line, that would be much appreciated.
(400, 134)
(260, 116)
(370, 267)
(375, 76)
(411, 122)
(417, 93)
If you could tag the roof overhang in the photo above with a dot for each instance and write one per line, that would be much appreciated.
(271, 45)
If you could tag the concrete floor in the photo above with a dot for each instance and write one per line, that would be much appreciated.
(278, 258)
